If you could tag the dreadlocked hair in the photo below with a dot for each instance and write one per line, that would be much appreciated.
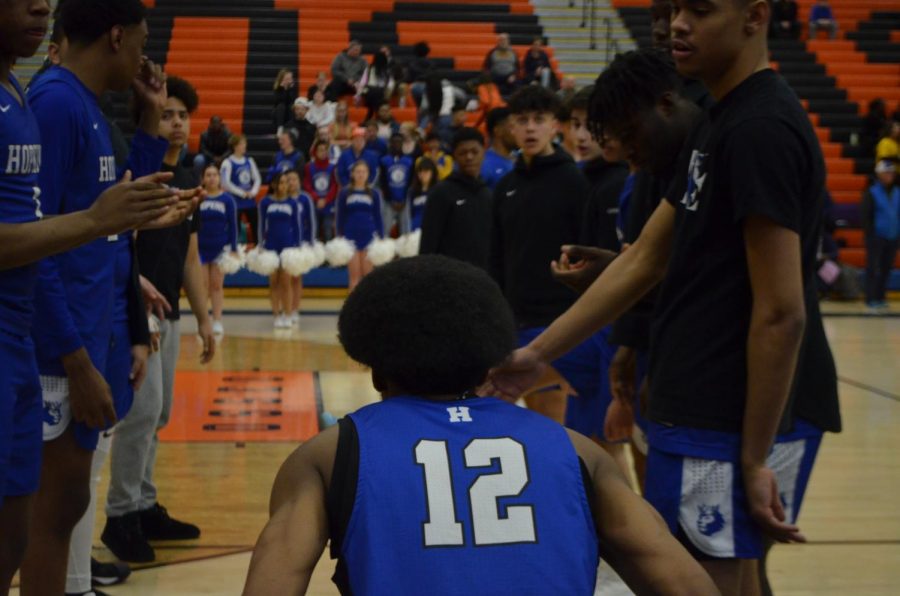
(633, 83)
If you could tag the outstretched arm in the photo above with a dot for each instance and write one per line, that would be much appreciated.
(633, 537)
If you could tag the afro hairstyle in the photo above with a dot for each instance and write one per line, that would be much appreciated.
(430, 325)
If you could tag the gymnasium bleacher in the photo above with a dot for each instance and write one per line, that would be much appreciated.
(835, 79)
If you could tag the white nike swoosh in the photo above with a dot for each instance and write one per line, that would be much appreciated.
(5, 109)
(461, 202)
(96, 126)
(510, 193)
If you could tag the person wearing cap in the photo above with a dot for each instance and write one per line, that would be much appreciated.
(357, 151)
(347, 69)
(304, 131)
(880, 211)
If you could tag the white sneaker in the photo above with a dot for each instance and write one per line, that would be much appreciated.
(295, 319)
(282, 322)
(218, 329)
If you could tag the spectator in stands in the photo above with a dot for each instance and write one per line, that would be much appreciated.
(396, 177)
(377, 83)
(321, 84)
(889, 146)
(412, 140)
(457, 218)
(498, 159)
(387, 125)
(437, 102)
(784, 23)
(320, 182)
(240, 178)
(537, 68)
(213, 145)
(566, 88)
(287, 158)
(424, 180)
(502, 64)
(821, 17)
(433, 151)
(375, 143)
(356, 152)
(342, 127)
(873, 124)
(880, 210)
(457, 123)
(324, 135)
(303, 130)
(347, 69)
(285, 90)
(418, 69)
(321, 112)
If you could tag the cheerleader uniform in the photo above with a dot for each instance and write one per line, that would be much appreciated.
(279, 224)
(218, 226)
(358, 216)
(306, 217)
(416, 208)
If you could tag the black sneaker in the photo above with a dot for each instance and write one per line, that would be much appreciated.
(123, 536)
(157, 525)
(108, 574)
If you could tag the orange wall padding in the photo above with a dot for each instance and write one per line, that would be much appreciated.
(149, 3)
(196, 53)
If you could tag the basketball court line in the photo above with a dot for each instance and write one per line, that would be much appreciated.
(870, 389)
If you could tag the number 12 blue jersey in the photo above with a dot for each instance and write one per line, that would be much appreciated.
(472, 496)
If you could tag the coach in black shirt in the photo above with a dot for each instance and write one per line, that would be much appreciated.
(457, 218)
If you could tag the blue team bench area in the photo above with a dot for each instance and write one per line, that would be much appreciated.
(323, 277)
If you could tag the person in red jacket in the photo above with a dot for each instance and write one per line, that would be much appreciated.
(320, 181)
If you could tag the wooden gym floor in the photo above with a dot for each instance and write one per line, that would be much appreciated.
(239, 417)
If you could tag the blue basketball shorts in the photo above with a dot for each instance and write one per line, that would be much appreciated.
(20, 417)
(57, 409)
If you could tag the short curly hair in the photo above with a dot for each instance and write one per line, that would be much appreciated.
(430, 325)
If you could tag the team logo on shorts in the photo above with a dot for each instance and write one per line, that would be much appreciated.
(696, 178)
(710, 521)
(52, 413)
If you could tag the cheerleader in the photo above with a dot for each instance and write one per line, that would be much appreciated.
(279, 228)
(306, 222)
(426, 176)
(358, 219)
(218, 231)
(320, 182)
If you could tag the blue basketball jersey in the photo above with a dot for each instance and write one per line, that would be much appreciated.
(398, 175)
(76, 289)
(494, 167)
(20, 158)
(218, 224)
(467, 497)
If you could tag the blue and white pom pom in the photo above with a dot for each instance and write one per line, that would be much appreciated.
(339, 251)
(381, 251)
(263, 262)
(408, 244)
(229, 263)
(298, 261)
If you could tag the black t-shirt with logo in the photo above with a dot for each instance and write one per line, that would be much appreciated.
(752, 154)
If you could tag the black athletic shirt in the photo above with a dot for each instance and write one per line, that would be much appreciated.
(753, 153)
(606, 180)
(161, 253)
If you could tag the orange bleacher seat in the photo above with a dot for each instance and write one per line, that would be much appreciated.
(857, 257)
(848, 182)
(839, 165)
(852, 238)
(845, 197)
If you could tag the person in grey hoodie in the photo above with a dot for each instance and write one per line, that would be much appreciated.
(346, 70)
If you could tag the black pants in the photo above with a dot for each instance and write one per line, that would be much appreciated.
(880, 255)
